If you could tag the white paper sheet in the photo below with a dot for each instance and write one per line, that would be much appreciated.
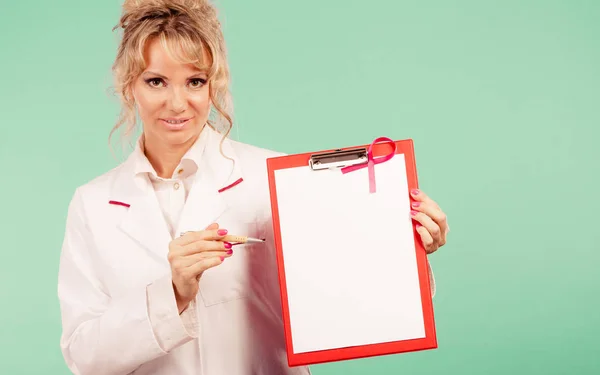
(349, 257)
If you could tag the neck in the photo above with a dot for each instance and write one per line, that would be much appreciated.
(164, 158)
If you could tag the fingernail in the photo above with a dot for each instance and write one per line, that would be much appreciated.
(229, 252)
(413, 212)
(222, 232)
(227, 245)
(418, 226)
(415, 192)
(222, 258)
(416, 204)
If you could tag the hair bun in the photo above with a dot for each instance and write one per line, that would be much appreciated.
(132, 6)
(133, 11)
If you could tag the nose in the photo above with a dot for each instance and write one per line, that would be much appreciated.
(177, 101)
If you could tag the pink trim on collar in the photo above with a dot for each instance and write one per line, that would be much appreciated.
(117, 203)
(232, 185)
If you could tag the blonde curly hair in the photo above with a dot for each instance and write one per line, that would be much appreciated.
(187, 29)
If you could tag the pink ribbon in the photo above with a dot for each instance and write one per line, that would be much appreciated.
(372, 161)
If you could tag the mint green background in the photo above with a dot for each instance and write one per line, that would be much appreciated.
(501, 99)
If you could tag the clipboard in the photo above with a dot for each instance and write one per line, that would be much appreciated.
(353, 275)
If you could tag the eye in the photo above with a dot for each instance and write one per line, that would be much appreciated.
(154, 82)
(197, 82)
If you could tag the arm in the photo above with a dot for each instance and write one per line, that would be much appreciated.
(431, 279)
(113, 336)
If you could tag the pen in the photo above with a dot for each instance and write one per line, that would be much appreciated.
(237, 239)
(241, 239)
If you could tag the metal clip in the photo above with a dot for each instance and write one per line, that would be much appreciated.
(338, 158)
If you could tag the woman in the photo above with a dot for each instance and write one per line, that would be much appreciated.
(134, 292)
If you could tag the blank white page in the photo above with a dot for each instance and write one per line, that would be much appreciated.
(349, 257)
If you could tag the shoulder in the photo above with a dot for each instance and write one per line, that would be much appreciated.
(95, 191)
(253, 157)
(102, 182)
(253, 165)
(252, 152)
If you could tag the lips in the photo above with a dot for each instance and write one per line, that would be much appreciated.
(175, 123)
(176, 120)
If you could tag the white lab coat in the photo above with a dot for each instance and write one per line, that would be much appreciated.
(114, 256)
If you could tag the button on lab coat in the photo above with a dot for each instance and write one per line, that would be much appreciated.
(118, 308)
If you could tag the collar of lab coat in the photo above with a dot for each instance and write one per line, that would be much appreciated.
(189, 162)
(216, 177)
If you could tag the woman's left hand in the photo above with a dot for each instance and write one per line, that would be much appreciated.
(431, 221)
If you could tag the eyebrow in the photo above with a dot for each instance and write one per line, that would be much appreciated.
(163, 77)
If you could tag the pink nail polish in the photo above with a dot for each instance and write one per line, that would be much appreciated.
(229, 252)
(227, 245)
(416, 204)
(418, 226)
(413, 212)
(222, 258)
(415, 192)
(222, 232)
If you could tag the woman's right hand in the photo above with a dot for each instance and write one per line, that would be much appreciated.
(192, 254)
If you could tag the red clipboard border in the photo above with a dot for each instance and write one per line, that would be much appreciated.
(406, 148)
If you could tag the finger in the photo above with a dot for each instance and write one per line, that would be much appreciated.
(212, 226)
(204, 246)
(184, 237)
(197, 268)
(207, 235)
(426, 239)
(189, 260)
(419, 196)
(429, 224)
(434, 212)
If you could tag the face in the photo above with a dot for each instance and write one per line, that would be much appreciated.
(172, 98)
